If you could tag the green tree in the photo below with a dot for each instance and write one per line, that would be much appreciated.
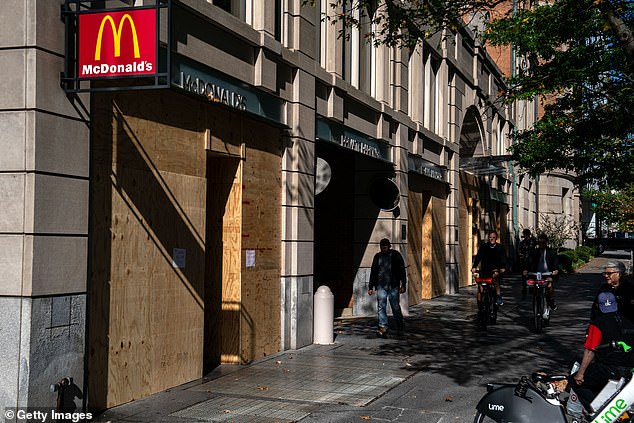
(580, 64)
(579, 57)
(616, 208)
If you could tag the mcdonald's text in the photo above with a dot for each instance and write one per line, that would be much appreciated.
(117, 43)
(105, 69)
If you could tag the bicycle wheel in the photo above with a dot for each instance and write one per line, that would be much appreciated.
(481, 418)
(538, 309)
(545, 304)
(494, 312)
(486, 308)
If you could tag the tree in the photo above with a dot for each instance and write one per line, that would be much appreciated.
(580, 64)
(615, 207)
(559, 229)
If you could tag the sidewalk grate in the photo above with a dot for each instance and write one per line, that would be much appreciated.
(246, 410)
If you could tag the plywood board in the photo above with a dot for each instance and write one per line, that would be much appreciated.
(414, 247)
(222, 272)
(146, 331)
(261, 234)
(232, 272)
(152, 322)
(438, 256)
(427, 246)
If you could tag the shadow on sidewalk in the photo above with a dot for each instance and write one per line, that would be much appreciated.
(441, 335)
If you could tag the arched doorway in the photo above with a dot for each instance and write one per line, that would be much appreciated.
(471, 145)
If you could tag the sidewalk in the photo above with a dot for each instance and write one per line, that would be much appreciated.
(435, 373)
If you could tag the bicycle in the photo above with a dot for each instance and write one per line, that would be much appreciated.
(487, 307)
(541, 309)
(538, 400)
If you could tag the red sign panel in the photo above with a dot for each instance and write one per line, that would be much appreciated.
(119, 43)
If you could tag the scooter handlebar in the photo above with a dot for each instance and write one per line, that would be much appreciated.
(618, 345)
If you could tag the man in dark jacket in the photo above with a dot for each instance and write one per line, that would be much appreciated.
(492, 260)
(600, 365)
(526, 247)
(544, 259)
(388, 279)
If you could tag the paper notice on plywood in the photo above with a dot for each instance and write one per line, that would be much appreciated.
(179, 256)
(250, 258)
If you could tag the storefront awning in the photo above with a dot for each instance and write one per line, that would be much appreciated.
(486, 165)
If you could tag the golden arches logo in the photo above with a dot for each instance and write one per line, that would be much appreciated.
(116, 35)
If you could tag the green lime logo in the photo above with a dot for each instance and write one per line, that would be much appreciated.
(612, 413)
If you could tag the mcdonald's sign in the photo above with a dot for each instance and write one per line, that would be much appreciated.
(121, 43)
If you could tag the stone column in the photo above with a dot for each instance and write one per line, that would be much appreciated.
(298, 185)
(44, 172)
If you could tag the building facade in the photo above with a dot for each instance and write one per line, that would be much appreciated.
(149, 235)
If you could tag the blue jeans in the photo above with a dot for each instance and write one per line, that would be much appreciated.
(382, 295)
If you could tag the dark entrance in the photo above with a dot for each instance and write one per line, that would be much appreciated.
(334, 215)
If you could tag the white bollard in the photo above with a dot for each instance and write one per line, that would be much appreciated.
(403, 300)
(323, 316)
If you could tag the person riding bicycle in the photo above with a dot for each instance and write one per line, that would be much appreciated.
(492, 260)
(526, 247)
(600, 365)
(543, 260)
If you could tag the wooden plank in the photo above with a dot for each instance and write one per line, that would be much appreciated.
(415, 247)
(428, 246)
(231, 273)
(129, 324)
(437, 258)
(223, 231)
(156, 310)
(261, 222)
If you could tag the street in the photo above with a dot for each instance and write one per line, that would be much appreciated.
(451, 361)
(435, 373)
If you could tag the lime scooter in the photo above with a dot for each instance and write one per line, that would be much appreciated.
(537, 400)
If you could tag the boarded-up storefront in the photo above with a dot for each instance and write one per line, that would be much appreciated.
(185, 242)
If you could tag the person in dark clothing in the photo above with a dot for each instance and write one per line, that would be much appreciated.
(492, 260)
(600, 365)
(526, 246)
(389, 280)
(614, 282)
(544, 259)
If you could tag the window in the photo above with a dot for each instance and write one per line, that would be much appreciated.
(236, 7)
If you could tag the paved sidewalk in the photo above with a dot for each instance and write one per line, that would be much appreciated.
(434, 374)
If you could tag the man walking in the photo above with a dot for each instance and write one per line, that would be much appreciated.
(388, 279)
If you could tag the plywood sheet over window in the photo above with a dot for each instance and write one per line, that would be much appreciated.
(148, 192)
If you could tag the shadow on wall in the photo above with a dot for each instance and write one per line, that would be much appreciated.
(346, 220)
